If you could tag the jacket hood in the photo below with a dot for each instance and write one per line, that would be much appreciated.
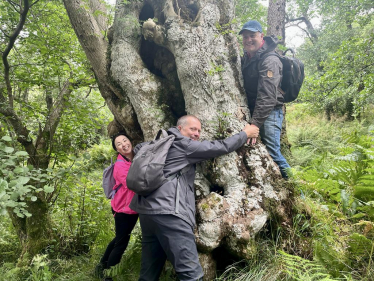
(270, 44)
(175, 132)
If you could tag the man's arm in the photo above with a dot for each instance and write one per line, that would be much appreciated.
(269, 79)
(198, 151)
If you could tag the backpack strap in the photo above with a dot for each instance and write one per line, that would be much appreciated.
(178, 175)
(118, 187)
(291, 50)
(161, 132)
(272, 53)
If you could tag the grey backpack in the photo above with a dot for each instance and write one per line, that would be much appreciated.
(109, 182)
(146, 173)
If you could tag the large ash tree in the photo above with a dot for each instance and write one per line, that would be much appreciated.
(162, 59)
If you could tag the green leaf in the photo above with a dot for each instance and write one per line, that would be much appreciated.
(33, 198)
(23, 180)
(358, 216)
(18, 170)
(8, 149)
(3, 185)
(11, 204)
(21, 153)
(22, 190)
(6, 138)
(3, 196)
(48, 189)
(19, 214)
(10, 163)
(87, 156)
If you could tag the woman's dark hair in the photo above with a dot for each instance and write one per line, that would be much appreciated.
(117, 135)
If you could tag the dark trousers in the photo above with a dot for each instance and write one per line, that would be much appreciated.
(124, 225)
(168, 237)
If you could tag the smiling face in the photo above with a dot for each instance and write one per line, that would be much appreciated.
(124, 146)
(191, 128)
(252, 41)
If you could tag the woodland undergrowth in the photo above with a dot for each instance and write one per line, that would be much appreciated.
(332, 231)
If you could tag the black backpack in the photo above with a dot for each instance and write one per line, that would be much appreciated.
(293, 74)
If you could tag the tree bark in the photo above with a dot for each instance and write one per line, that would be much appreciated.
(181, 64)
(276, 20)
(91, 32)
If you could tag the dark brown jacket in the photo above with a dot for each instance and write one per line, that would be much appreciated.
(262, 77)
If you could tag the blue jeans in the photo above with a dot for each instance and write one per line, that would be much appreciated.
(270, 133)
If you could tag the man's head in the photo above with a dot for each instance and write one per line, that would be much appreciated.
(189, 126)
(252, 36)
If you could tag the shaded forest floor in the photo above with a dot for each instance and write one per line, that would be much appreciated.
(332, 231)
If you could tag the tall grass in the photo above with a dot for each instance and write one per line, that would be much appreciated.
(332, 232)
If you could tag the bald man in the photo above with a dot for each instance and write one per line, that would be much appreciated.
(167, 215)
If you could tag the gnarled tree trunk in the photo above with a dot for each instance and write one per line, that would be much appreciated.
(182, 63)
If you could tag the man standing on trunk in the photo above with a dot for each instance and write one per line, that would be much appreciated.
(167, 215)
(262, 74)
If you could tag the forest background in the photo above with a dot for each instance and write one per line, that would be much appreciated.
(54, 146)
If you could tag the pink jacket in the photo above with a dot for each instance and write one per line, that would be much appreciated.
(122, 199)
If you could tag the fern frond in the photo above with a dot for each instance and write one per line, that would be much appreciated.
(304, 270)
(329, 258)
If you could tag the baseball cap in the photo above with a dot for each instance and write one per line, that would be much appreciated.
(251, 25)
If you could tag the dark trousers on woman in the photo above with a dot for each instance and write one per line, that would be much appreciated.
(124, 225)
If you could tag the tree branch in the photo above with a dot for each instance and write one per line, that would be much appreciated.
(99, 12)
(45, 136)
(90, 37)
(8, 109)
(3, 31)
(15, 6)
(12, 40)
(296, 19)
(34, 3)
(310, 31)
(21, 131)
(89, 92)
(95, 46)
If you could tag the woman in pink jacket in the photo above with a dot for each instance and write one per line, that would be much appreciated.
(125, 218)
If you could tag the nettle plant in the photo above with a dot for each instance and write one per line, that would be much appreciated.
(20, 182)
